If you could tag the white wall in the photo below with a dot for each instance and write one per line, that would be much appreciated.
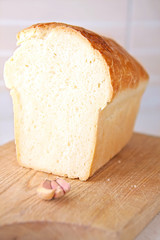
(135, 24)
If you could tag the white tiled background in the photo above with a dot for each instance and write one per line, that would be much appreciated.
(135, 24)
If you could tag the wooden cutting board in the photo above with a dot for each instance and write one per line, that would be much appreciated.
(116, 203)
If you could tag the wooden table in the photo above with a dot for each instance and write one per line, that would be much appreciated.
(116, 203)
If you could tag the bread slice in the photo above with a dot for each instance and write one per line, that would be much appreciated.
(75, 96)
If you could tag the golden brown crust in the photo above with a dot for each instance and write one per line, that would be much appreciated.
(125, 71)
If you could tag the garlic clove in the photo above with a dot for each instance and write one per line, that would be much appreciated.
(64, 185)
(45, 193)
(59, 192)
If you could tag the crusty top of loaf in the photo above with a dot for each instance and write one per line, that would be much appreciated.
(125, 71)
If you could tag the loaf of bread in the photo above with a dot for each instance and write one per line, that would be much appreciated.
(75, 95)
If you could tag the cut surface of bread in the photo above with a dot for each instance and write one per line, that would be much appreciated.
(71, 113)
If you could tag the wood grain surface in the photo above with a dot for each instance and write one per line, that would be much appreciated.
(116, 203)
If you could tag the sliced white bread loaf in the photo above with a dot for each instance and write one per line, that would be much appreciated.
(75, 96)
